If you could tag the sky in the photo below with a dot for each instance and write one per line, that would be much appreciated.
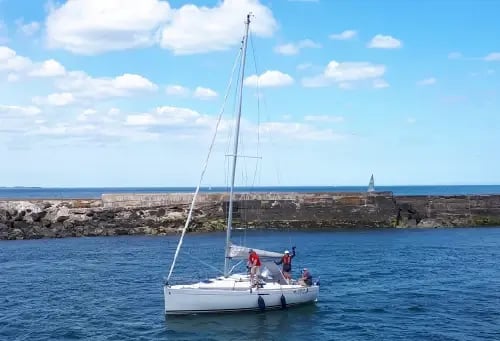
(128, 93)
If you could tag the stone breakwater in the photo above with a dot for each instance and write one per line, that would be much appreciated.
(159, 214)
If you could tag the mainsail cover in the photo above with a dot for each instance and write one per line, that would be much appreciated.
(241, 252)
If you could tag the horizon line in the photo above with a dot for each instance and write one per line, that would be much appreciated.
(242, 186)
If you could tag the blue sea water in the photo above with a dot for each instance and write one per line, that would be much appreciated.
(383, 284)
(95, 193)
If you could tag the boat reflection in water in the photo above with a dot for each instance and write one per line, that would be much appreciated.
(269, 325)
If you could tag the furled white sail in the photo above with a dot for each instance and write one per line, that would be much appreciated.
(241, 252)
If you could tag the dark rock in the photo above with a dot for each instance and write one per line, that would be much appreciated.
(22, 225)
(62, 218)
(16, 234)
(11, 214)
(37, 216)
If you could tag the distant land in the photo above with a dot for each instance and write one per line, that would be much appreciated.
(21, 187)
(20, 192)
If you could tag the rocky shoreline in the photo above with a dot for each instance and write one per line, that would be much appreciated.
(166, 213)
(78, 218)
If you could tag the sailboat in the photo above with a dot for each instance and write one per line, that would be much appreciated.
(234, 292)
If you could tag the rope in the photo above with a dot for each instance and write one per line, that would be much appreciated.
(204, 169)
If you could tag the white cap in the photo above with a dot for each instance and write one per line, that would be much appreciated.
(286, 251)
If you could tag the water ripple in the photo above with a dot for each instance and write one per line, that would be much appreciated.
(376, 285)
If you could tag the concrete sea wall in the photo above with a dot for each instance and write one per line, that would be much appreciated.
(158, 214)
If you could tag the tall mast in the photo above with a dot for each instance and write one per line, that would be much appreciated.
(235, 150)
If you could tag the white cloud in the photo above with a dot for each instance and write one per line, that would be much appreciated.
(380, 84)
(200, 92)
(65, 129)
(187, 123)
(353, 71)
(204, 93)
(384, 42)
(304, 66)
(270, 78)
(494, 56)
(28, 29)
(60, 99)
(177, 90)
(324, 118)
(72, 85)
(90, 133)
(15, 110)
(95, 26)
(166, 115)
(18, 66)
(168, 122)
(199, 29)
(82, 85)
(345, 35)
(298, 131)
(294, 48)
(49, 68)
(86, 114)
(427, 81)
(344, 73)
(17, 119)
(454, 55)
(10, 61)
(56, 99)
(93, 116)
(90, 125)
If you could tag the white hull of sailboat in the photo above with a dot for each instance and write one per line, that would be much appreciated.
(232, 294)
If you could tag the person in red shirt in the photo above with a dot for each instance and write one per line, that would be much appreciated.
(254, 264)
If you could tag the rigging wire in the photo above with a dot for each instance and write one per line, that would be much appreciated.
(257, 164)
(202, 262)
(231, 130)
(204, 168)
(258, 130)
